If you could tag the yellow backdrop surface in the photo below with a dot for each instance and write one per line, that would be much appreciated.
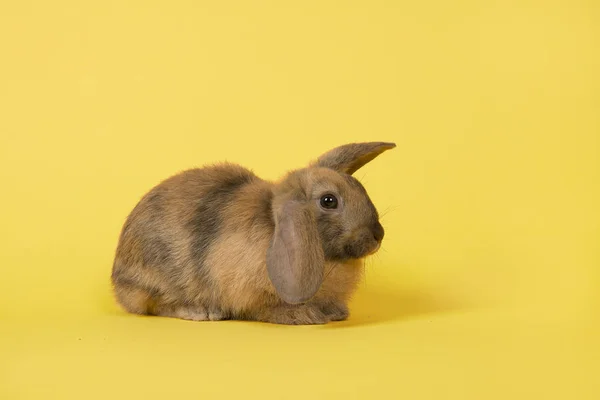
(487, 283)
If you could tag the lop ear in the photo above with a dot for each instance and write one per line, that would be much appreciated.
(350, 157)
(295, 259)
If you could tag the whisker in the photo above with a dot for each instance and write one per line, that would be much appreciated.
(388, 210)
(333, 265)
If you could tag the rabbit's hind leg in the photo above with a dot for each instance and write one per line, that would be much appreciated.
(188, 312)
(132, 298)
(138, 300)
(183, 312)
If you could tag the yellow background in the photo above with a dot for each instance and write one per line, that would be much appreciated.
(487, 284)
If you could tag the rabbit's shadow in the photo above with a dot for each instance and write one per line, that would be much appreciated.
(387, 304)
(371, 305)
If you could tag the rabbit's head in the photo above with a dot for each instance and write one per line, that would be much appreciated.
(322, 213)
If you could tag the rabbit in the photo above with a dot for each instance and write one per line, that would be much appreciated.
(218, 242)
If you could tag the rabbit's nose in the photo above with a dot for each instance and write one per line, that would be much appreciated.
(378, 231)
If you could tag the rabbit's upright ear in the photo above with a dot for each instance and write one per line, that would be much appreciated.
(350, 157)
(295, 259)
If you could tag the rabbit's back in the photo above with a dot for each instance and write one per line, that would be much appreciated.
(173, 247)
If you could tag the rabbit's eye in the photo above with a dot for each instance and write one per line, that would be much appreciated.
(329, 202)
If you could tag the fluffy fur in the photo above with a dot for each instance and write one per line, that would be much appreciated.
(220, 243)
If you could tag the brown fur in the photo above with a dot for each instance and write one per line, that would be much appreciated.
(220, 243)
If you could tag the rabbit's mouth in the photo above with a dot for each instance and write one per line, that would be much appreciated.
(365, 250)
(377, 246)
(361, 248)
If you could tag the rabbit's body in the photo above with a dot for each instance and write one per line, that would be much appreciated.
(207, 244)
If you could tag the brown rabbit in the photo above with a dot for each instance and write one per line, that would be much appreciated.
(220, 243)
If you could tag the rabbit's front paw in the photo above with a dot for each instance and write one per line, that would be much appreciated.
(295, 315)
(335, 311)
